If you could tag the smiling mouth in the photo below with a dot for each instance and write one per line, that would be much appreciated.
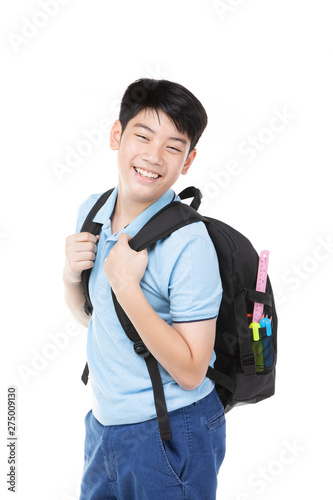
(147, 175)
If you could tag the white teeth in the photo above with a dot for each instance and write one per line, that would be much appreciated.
(144, 173)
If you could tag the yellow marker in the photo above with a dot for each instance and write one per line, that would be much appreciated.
(257, 347)
(255, 331)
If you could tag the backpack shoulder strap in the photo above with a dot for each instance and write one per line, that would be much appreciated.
(170, 218)
(192, 192)
(92, 227)
(88, 225)
(162, 224)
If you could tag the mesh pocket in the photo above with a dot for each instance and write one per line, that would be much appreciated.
(263, 351)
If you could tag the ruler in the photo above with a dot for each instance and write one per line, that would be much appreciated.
(261, 284)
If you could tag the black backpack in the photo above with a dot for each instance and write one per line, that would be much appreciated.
(239, 380)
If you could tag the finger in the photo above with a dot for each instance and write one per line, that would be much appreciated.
(78, 267)
(85, 246)
(124, 238)
(86, 237)
(85, 256)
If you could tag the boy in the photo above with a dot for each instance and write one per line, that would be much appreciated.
(171, 292)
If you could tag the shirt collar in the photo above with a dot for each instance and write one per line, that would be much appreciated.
(104, 214)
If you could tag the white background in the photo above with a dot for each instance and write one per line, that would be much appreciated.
(63, 73)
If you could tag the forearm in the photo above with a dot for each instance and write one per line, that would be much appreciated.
(74, 299)
(162, 340)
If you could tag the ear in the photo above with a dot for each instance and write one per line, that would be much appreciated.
(189, 161)
(115, 135)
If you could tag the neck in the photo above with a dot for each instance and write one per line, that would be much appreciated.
(126, 210)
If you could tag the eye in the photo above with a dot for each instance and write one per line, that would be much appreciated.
(175, 149)
(142, 137)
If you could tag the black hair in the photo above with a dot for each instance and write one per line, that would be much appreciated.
(182, 107)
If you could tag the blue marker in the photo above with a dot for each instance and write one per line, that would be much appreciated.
(267, 342)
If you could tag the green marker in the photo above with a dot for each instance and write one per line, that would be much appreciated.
(257, 347)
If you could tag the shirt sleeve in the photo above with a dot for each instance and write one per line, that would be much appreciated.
(195, 288)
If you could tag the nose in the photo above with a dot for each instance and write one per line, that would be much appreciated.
(153, 154)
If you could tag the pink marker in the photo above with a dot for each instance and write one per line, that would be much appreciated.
(261, 284)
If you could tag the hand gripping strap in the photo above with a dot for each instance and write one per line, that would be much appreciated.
(94, 228)
(180, 216)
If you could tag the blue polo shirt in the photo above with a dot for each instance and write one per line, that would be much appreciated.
(181, 282)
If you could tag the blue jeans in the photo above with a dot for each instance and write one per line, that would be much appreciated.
(130, 462)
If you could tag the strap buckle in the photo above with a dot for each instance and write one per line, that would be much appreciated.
(140, 349)
(248, 363)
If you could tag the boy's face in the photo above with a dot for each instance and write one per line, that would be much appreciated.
(151, 156)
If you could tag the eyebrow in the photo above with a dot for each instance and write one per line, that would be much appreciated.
(153, 132)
